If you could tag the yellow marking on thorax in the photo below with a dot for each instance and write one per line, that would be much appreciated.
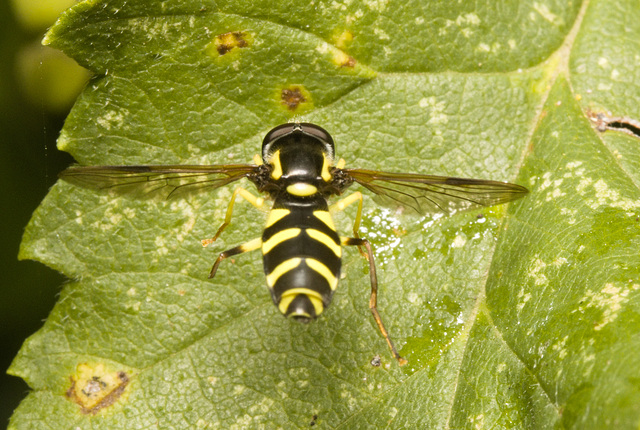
(281, 269)
(290, 295)
(324, 271)
(274, 160)
(326, 176)
(278, 238)
(301, 189)
(326, 240)
(325, 217)
(257, 160)
(276, 215)
(341, 163)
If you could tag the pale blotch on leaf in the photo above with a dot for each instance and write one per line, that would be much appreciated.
(95, 387)
(112, 119)
(467, 32)
(342, 39)
(471, 19)
(437, 114)
(603, 62)
(477, 421)
(161, 245)
(483, 47)
(458, 242)
(605, 196)
(129, 213)
(604, 86)
(414, 298)
(553, 187)
(536, 269)
(393, 412)
(560, 347)
(112, 216)
(524, 298)
(463, 24)
(382, 35)
(188, 212)
(261, 409)
(609, 300)
(546, 13)
(377, 5)
(570, 215)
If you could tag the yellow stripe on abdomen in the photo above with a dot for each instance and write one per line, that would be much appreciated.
(276, 215)
(325, 240)
(279, 237)
(323, 271)
(314, 297)
(325, 217)
(281, 269)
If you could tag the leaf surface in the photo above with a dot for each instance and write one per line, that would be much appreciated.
(523, 316)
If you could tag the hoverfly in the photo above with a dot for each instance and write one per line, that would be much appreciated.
(300, 246)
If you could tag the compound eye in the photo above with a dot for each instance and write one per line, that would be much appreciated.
(322, 135)
(277, 132)
(273, 135)
(305, 128)
(317, 132)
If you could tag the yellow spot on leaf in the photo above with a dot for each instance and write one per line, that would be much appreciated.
(94, 387)
(295, 99)
(343, 39)
(224, 43)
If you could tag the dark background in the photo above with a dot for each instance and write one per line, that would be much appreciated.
(29, 164)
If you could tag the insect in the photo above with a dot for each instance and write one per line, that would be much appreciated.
(301, 249)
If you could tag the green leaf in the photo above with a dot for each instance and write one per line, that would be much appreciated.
(523, 316)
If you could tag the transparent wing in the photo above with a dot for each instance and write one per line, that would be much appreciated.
(156, 181)
(428, 194)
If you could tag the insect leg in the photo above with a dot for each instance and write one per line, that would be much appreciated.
(341, 205)
(258, 202)
(245, 247)
(373, 300)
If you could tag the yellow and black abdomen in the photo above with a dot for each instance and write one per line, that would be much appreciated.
(302, 256)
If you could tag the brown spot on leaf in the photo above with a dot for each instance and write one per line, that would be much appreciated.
(226, 42)
(94, 388)
(292, 97)
(349, 62)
